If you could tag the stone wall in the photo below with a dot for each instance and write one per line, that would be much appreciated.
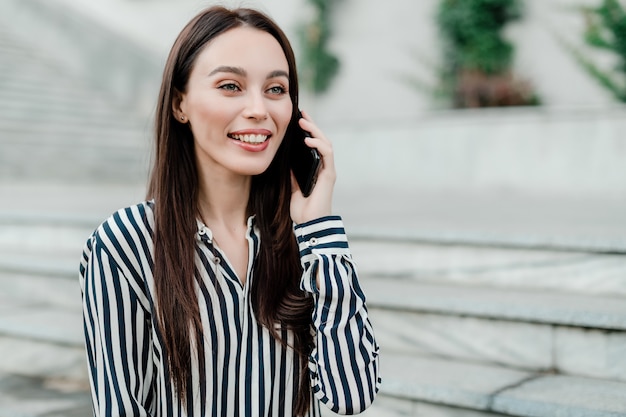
(534, 151)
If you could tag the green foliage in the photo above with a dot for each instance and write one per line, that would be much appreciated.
(319, 65)
(477, 58)
(472, 32)
(606, 29)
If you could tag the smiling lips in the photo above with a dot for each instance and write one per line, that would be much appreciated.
(254, 139)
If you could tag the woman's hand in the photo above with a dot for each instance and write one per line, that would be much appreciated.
(319, 202)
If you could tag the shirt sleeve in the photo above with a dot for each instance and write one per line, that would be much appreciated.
(344, 361)
(117, 335)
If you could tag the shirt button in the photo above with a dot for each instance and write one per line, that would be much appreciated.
(217, 260)
(313, 241)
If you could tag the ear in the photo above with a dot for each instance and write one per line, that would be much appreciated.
(178, 107)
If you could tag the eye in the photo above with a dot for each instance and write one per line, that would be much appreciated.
(277, 90)
(231, 87)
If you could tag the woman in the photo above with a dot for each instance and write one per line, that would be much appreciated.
(201, 301)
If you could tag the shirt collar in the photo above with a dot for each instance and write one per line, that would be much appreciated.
(203, 230)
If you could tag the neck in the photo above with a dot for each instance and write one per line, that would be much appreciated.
(223, 201)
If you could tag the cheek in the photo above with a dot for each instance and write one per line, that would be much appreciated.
(206, 105)
(204, 109)
(285, 116)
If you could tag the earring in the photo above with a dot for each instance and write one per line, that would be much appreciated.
(182, 117)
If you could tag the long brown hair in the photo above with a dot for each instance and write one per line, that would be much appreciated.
(276, 295)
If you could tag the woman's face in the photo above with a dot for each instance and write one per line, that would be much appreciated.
(237, 102)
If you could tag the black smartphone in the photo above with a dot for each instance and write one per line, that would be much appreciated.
(305, 161)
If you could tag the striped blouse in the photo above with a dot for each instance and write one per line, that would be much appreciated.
(248, 373)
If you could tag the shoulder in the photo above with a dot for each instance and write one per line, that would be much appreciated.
(125, 237)
(120, 250)
(127, 226)
(138, 218)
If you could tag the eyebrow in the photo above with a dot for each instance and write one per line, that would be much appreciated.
(278, 73)
(242, 72)
(225, 68)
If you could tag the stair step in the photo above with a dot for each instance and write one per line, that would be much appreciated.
(53, 135)
(40, 238)
(35, 396)
(41, 250)
(509, 268)
(62, 293)
(12, 50)
(31, 81)
(36, 91)
(413, 382)
(28, 80)
(40, 96)
(441, 381)
(20, 55)
(33, 265)
(89, 150)
(490, 219)
(82, 206)
(554, 395)
(58, 120)
(45, 324)
(35, 358)
(90, 165)
(41, 336)
(600, 312)
(574, 335)
(534, 347)
(22, 105)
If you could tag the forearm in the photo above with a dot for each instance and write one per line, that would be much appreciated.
(344, 361)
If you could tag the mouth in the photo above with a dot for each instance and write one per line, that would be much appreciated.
(250, 138)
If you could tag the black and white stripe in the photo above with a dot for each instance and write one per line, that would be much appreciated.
(247, 372)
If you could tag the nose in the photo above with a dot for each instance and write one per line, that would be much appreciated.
(255, 106)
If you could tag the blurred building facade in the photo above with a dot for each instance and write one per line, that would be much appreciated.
(378, 47)
(570, 144)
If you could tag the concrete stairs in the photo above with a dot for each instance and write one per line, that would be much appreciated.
(464, 330)
(42, 356)
(479, 331)
(57, 127)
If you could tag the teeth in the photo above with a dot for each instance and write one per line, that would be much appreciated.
(251, 138)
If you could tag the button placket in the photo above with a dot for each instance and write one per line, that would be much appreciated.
(205, 234)
(207, 237)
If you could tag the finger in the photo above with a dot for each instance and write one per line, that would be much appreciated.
(317, 140)
(312, 128)
(321, 143)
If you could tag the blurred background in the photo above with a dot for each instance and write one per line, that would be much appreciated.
(481, 162)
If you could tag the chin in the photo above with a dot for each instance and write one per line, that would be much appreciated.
(256, 166)
(253, 170)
